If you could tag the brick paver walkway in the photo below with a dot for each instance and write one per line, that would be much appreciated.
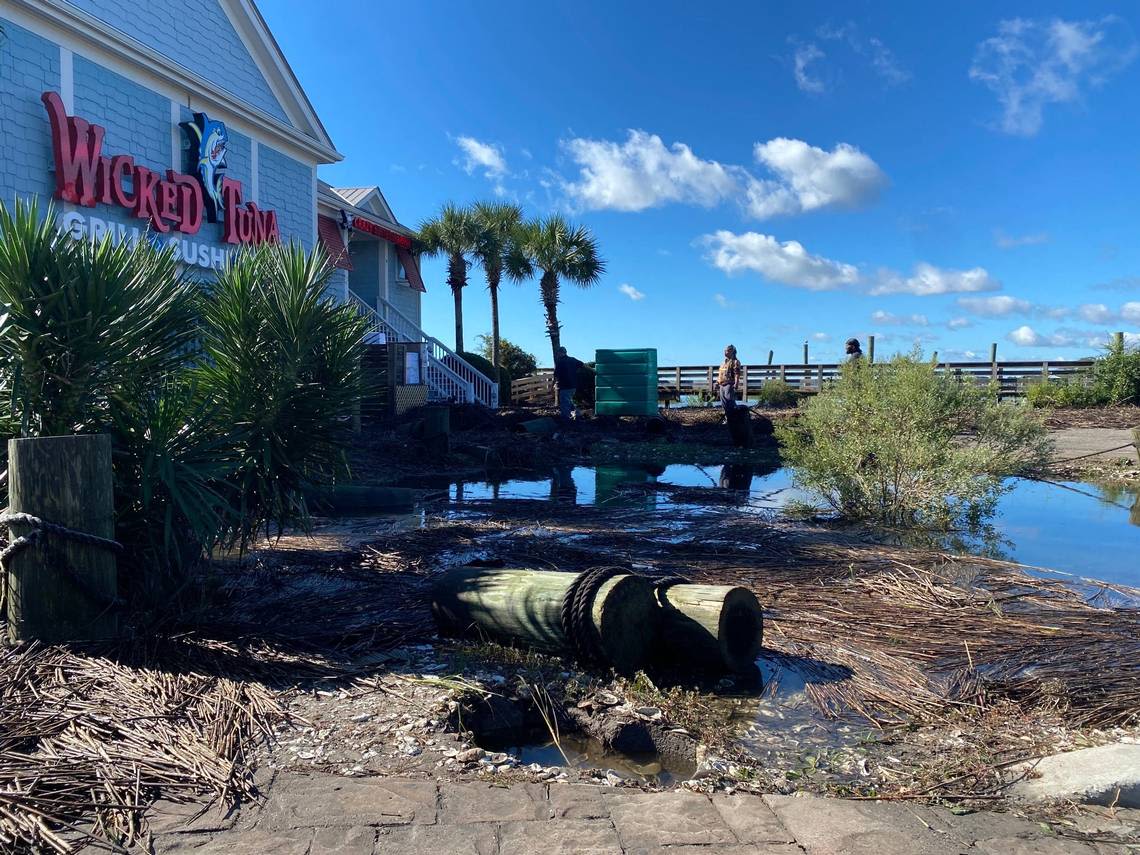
(319, 814)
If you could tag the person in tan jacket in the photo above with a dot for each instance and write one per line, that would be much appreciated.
(727, 379)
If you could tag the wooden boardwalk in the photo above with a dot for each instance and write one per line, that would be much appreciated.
(678, 381)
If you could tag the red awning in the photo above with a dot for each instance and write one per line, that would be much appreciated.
(329, 233)
(412, 268)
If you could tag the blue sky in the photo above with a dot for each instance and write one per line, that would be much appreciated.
(762, 173)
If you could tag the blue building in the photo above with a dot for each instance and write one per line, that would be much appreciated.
(181, 121)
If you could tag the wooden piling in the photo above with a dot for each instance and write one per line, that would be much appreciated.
(711, 626)
(58, 589)
(870, 348)
(526, 605)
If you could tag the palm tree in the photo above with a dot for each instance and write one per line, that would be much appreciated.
(499, 225)
(455, 234)
(561, 251)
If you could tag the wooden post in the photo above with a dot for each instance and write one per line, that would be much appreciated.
(993, 362)
(783, 375)
(771, 353)
(711, 379)
(678, 382)
(870, 348)
(711, 625)
(819, 378)
(1045, 372)
(805, 353)
(744, 378)
(526, 605)
(58, 589)
(1118, 340)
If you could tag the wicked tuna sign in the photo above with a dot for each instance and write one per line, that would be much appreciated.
(171, 202)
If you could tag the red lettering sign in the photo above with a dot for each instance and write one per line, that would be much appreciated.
(84, 176)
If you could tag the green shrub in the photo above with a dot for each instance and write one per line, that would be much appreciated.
(484, 366)
(900, 443)
(221, 404)
(777, 393)
(1072, 392)
(1114, 380)
(512, 357)
(1117, 373)
(282, 370)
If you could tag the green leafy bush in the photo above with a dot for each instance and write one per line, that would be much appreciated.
(281, 368)
(220, 403)
(777, 393)
(1074, 392)
(1117, 373)
(900, 443)
(484, 366)
(1114, 380)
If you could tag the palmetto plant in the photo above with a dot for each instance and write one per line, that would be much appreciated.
(455, 234)
(499, 229)
(222, 403)
(282, 366)
(87, 325)
(560, 251)
(93, 337)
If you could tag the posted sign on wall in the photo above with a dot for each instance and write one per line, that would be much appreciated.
(170, 202)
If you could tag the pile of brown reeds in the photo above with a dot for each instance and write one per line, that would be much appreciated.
(88, 741)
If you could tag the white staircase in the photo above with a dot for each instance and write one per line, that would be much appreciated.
(447, 375)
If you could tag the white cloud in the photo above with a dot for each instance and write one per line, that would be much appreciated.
(886, 65)
(995, 307)
(1005, 241)
(804, 56)
(1131, 312)
(882, 60)
(722, 301)
(480, 155)
(808, 178)
(642, 173)
(1026, 336)
(959, 323)
(821, 336)
(881, 317)
(1096, 313)
(1030, 64)
(631, 292)
(927, 280)
(787, 262)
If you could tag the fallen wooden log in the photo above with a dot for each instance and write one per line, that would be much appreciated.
(711, 626)
(619, 621)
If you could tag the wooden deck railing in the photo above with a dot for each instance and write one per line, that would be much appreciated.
(678, 381)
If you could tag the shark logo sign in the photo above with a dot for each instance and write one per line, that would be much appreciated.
(168, 200)
(207, 159)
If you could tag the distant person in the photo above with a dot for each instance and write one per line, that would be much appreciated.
(566, 380)
(727, 378)
(854, 351)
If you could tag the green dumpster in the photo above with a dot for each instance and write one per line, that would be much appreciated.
(626, 383)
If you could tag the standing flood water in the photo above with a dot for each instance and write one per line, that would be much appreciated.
(1037, 523)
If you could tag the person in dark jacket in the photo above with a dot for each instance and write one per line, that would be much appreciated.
(854, 351)
(566, 381)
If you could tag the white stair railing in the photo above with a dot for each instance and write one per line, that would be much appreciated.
(447, 375)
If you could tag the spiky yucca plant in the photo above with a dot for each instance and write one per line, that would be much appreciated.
(282, 366)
